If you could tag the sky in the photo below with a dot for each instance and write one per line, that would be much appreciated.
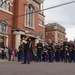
(64, 15)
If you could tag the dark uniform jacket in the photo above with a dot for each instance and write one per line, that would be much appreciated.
(61, 48)
(71, 47)
(57, 48)
(50, 47)
(39, 47)
(66, 48)
(26, 46)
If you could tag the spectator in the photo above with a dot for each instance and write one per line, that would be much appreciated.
(13, 55)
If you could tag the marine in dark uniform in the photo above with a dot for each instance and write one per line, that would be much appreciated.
(66, 51)
(45, 53)
(74, 54)
(57, 53)
(50, 51)
(39, 50)
(26, 48)
(30, 51)
(71, 49)
(61, 52)
(20, 49)
(9, 53)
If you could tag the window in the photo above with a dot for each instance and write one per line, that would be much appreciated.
(40, 21)
(5, 5)
(46, 34)
(1, 3)
(8, 7)
(3, 26)
(53, 33)
(41, 8)
(29, 17)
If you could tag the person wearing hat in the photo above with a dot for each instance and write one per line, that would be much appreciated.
(50, 51)
(74, 53)
(66, 51)
(39, 50)
(26, 48)
(30, 51)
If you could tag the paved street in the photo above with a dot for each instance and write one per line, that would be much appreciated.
(36, 68)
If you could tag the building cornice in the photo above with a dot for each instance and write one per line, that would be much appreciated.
(39, 1)
(3, 34)
(55, 30)
(6, 11)
(33, 3)
(41, 14)
(19, 31)
(54, 24)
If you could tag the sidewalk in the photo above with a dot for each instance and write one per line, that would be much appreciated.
(3, 60)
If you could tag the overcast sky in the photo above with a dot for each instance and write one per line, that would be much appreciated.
(64, 15)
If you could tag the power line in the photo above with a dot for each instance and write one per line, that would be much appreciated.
(44, 9)
(41, 10)
(58, 5)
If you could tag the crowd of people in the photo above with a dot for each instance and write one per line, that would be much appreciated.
(8, 53)
(47, 52)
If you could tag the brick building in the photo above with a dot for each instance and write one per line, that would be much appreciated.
(19, 18)
(55, 32)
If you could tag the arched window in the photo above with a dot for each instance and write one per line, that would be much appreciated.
(4, 6)
(3, 26)
(1, 2)
(8, 6)
(29, 16)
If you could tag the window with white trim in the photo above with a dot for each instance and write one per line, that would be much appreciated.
(5, 5)
(8, 6)
(40, 22)
(46, 34)
(29, 16)
(41, 8)
(1, 2)
(3, 26)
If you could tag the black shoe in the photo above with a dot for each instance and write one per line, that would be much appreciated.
(28, 62)
(23, 63)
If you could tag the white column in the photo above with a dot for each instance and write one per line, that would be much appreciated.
(56, 37)
(17, 41)
(36, 41)
(7, 41)
(42, 6)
